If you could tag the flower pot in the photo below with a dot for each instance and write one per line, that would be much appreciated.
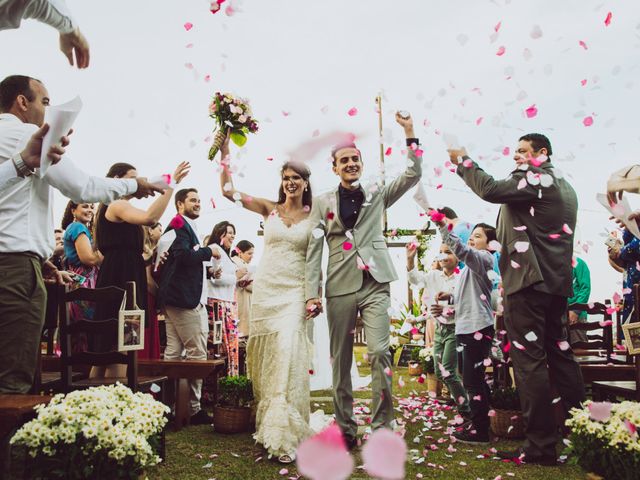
(415, 369)
(433, 385)
(231, 419)
(417, 337)
(502, 422)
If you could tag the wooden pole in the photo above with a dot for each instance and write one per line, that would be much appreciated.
(379, 105)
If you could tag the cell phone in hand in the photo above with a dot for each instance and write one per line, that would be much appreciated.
(77, 277)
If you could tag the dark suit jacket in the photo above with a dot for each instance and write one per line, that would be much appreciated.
(543, 210)
(181, 276)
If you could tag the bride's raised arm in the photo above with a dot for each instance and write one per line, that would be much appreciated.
(259, 205)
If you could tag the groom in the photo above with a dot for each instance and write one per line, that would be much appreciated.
(359, 273)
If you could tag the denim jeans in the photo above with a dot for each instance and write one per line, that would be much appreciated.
(473, 375)
(445, 355)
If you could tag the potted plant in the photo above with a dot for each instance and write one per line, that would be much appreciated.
(428, 368)
(506, 414)
(604, 439)
(415, 365)
(105, 432)
(232, 414)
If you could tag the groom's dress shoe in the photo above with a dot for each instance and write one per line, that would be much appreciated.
(352, 443)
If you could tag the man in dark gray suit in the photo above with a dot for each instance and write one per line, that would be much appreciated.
(535, 228)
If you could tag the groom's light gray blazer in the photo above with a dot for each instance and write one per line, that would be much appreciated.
(367, 239)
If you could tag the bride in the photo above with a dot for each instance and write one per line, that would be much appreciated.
(279, 351)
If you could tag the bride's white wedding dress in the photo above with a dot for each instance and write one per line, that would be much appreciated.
(279, 351)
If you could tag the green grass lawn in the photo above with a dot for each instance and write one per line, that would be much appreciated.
(200, 453)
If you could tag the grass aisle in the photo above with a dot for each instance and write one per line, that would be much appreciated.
(200, 453)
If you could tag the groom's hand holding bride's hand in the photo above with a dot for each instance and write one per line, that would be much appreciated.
(314, 308)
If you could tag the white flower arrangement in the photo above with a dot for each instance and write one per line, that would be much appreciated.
(604, 439)
(107, 426)
(426, 352)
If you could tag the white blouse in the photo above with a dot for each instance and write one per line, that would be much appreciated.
(223, 288)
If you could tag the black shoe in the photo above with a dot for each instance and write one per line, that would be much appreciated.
(520, 455)
(469, 435)
(201, 418)
(352, 443)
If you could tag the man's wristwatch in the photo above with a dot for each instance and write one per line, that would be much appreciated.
(21, 167)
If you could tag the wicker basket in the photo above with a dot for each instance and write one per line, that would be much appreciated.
(433, 385)
(231, 419)
(415, 369)
(503, 420)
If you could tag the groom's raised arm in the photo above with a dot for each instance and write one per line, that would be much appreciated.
(313, 268)
(411, 176)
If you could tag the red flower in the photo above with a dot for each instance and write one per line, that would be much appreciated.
(177, 222)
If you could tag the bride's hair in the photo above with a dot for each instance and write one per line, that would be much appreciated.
(302, 170)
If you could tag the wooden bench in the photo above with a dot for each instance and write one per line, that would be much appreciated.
(180, 372)
(15, 410)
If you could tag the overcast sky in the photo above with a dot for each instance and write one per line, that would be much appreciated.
(305, 64)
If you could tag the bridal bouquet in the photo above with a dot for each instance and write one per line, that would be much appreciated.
(231, 114)
(105, 432)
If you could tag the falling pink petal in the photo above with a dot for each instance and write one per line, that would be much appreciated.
(588, 121)
(188, 26)
(384, 455)
(325, 456)
(522, 183)
(583, 45)
(347, 245)
(505, 151)
(189, 45)
(286, 114)
(521, 228)
(352, 112)
(388, 151)
(230, 11)
(189, 65)
(531, 112)
(518, 345)
(501, 51)
(207, 78)
(607, 20)
(554, 236)
(631, 427)
(600, 411)
(536, 32)
(563, 345)
(213, 204)
(477, 336)
(436, 216)
(283, 471)
(514, 264)
(497, 27)
(491, 413)
(566, 229)
(388, 372)
(583, 82)
(521, 247)
(479, 120)
(531, 336)
(616, 297)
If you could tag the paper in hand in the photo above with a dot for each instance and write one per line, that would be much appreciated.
(162, 181)
(164, 244)
(421, 198)
(450, 140)
(621, 211)
(60, 119)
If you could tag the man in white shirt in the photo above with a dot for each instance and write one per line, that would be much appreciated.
(53, 13)
(445, 353)
(26, 222)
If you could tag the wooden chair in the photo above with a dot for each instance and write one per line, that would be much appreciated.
(630, 388)
(69, 360)
(598, 348)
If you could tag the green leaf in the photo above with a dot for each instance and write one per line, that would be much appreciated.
(239, 138)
